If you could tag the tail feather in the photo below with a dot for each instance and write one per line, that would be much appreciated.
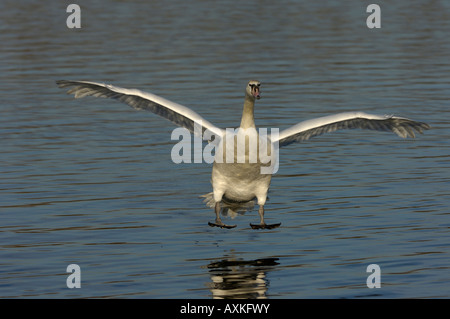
(228, 208)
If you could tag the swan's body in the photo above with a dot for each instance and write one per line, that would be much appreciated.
(239, 181)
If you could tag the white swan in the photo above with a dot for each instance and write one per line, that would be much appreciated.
(242, 182)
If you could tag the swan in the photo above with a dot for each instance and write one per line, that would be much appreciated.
(242, 182)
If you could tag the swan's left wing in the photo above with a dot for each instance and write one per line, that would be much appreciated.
(176, 113)
(302, 131)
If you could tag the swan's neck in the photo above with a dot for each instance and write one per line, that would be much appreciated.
(248, 119)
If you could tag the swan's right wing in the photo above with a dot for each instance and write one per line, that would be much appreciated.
(176, 113)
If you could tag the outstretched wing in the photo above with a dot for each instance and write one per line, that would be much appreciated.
(176, 113)
(302, 131)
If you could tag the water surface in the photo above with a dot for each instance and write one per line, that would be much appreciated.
(91, 181)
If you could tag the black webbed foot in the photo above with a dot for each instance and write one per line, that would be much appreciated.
(221, 225)
(264, 226)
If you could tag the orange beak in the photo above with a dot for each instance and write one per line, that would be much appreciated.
(256, 92)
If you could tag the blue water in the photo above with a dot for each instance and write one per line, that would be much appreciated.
(91, 181)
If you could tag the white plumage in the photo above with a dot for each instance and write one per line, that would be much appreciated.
(239, 183)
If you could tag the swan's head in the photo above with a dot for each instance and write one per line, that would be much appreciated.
(253, 90)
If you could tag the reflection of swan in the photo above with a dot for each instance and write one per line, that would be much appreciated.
(239, 279)
(236, 181)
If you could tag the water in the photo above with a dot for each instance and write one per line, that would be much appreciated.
(91, 181)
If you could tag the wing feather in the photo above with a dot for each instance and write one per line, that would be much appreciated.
(302, 131)
(176, 113)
